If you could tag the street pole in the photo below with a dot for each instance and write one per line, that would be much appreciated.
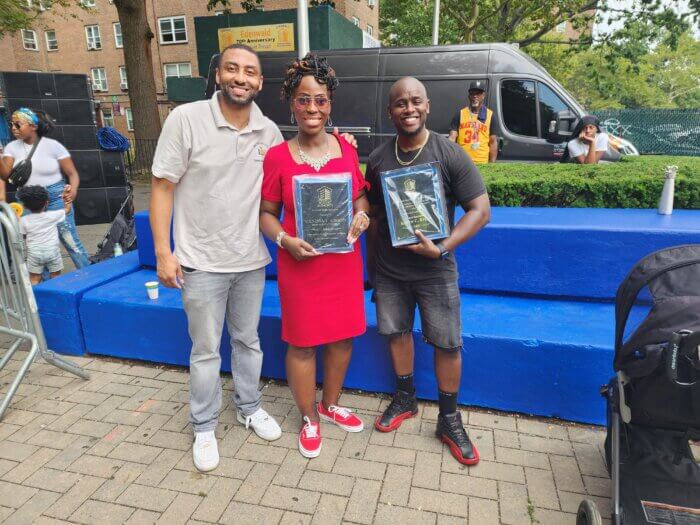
(436, 22)
(302, 28)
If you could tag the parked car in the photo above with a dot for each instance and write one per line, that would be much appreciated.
(533, 113)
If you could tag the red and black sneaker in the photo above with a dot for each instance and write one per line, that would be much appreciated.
(451, 432)
(403, 406)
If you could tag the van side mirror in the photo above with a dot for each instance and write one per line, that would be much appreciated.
(561, 127)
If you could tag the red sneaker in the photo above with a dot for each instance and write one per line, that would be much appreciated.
(310, 439)
(343, 417)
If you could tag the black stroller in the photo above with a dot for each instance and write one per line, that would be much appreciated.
(653, 403)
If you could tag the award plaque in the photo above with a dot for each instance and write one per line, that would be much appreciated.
(415, 200)
(323, 209)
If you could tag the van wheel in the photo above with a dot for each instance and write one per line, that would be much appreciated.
(588, 514)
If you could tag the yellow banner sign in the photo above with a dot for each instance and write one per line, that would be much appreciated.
(273, 37)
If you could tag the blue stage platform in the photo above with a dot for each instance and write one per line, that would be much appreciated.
(538, 320)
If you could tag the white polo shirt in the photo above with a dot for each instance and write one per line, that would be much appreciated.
(218, 172)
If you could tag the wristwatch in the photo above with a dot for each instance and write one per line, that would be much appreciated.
(444, 254)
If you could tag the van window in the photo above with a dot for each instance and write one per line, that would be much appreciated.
(550, 104)
(519, 107)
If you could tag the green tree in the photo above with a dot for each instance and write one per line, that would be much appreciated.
(409, 22)
(629, 70)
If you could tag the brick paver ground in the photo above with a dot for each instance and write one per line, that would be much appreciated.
(116, 449)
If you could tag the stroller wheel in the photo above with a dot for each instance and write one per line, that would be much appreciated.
(588, 514)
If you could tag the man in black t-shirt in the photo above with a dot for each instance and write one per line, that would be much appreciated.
(423, 274)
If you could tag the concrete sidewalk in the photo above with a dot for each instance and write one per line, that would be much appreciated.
(117, 449)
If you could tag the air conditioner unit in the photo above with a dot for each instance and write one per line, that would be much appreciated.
(371, 3)
(124, 85)
(97, 87)
(93, 45)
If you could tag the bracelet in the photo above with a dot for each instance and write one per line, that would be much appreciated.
(279, 238)
(363, 212)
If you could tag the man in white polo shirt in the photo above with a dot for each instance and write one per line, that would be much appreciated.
(208, 167)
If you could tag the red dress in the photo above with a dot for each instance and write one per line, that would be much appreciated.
(322, 298)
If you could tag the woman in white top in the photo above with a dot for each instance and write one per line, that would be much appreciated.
(588, 133)
(50, 162)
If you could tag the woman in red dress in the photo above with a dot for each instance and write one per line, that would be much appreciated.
(321, 295)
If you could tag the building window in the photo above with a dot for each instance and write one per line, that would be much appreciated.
(356, 21)
(370, 30)
(123, 81)
(181, 69)
(561, 27)
(51, 41)
(118, 41)
(92, 34)
(107, 117)
(129, 120)
(88, 3)
(29, 40)
(172, 30)
(99, 79)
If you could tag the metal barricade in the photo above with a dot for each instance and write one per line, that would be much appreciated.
(19, 316)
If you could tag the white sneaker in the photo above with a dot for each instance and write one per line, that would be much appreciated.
(205, 452)
(263, 424)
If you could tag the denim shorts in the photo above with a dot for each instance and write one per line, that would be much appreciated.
(40, 257)
(438, 304)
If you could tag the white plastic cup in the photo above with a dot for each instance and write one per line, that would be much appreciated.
(152, 289)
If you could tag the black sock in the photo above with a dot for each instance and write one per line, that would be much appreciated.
(447, 401)
(405, 383)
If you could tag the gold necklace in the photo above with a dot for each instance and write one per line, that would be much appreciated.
(420, 150)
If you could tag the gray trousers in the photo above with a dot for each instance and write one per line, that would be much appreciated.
(207, 298)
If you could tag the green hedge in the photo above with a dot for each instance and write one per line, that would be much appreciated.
(634, 182)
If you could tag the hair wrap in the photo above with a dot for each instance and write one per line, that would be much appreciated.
(27, 115)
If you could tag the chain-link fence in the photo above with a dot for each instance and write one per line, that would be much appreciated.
(655, 131)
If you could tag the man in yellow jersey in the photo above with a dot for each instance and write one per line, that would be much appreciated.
(471, 126)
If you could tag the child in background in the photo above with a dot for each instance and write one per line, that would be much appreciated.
(39, 228)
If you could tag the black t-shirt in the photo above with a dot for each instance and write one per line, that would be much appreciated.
(462, 183)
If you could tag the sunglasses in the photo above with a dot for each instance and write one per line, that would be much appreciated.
(305, 101)
(17, 125)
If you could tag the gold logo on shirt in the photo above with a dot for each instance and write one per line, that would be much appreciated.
(324, 196)
(409, 185)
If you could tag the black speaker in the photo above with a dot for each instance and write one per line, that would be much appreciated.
(76, 137)
(72, 87)
(45, 85)
(113, 168)
(89, 166)
(24, 85)
(98, 205)
(115, 199)
(62, 112)
(91, 206)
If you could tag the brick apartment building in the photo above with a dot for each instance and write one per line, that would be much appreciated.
(89, 41)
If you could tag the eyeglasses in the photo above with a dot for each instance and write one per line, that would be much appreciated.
(304, 101)
(17, 125)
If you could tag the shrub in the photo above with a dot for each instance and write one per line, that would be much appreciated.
(634, 182)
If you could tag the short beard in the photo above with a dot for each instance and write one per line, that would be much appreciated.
(475, 105)
(405, 133)
(239, 102)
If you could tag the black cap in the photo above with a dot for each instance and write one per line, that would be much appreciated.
(477, 85)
